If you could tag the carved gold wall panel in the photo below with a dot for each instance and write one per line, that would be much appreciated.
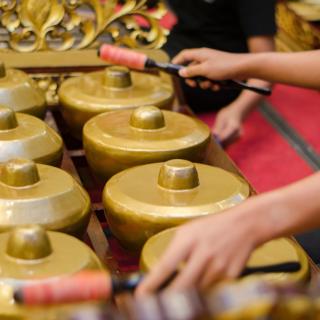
(59, 25)
(295, 33)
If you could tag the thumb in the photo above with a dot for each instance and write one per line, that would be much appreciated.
(193, 71)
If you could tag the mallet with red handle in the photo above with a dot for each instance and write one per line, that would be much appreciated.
(140, 61)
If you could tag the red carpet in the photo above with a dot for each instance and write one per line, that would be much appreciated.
(262, 154)
(300, 107)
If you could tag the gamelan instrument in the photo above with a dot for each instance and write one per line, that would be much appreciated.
(31, 255)
(144, 200)
(115, 141)
(113, 89)
(20, 93)
(25, 136)
(33, 193)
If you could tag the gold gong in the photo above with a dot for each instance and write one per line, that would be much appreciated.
(115, 141)
(25, 136)
(30, 254)
(20, 93)
(35, 193)
(115, 88)
(141, 201)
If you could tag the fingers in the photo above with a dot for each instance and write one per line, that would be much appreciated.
(213, 64)
(214, 272)
(202, 84)
(222, 268)
(219, 127)
(205, 85)
(215, 87)
(191, 273)
(237, 267)
(177, 252)
(191, 83)
(198, 65)
(226, 129)
(226, 133)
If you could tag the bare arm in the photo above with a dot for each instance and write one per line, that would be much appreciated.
(229, 119)
(297, 209)
(247, 100)
(218, 246)
(299, 69)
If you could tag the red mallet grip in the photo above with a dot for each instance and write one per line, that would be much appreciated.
(83, 286)
(123, 57)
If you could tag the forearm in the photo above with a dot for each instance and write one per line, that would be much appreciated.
(300, 69)
(247, 100)
(284, 212)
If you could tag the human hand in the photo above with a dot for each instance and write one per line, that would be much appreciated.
(228, 124)
(209, 63)
(210, 250)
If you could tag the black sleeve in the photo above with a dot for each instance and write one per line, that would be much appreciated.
(257, 17)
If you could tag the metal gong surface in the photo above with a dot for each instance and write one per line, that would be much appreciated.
(115, 141)
(30, 254)
(19, 92)
(274, 252)
(35, 193)
(144, 200)
(115, 88)
(25, 136)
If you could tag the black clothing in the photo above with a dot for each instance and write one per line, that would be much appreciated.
(219, 24)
